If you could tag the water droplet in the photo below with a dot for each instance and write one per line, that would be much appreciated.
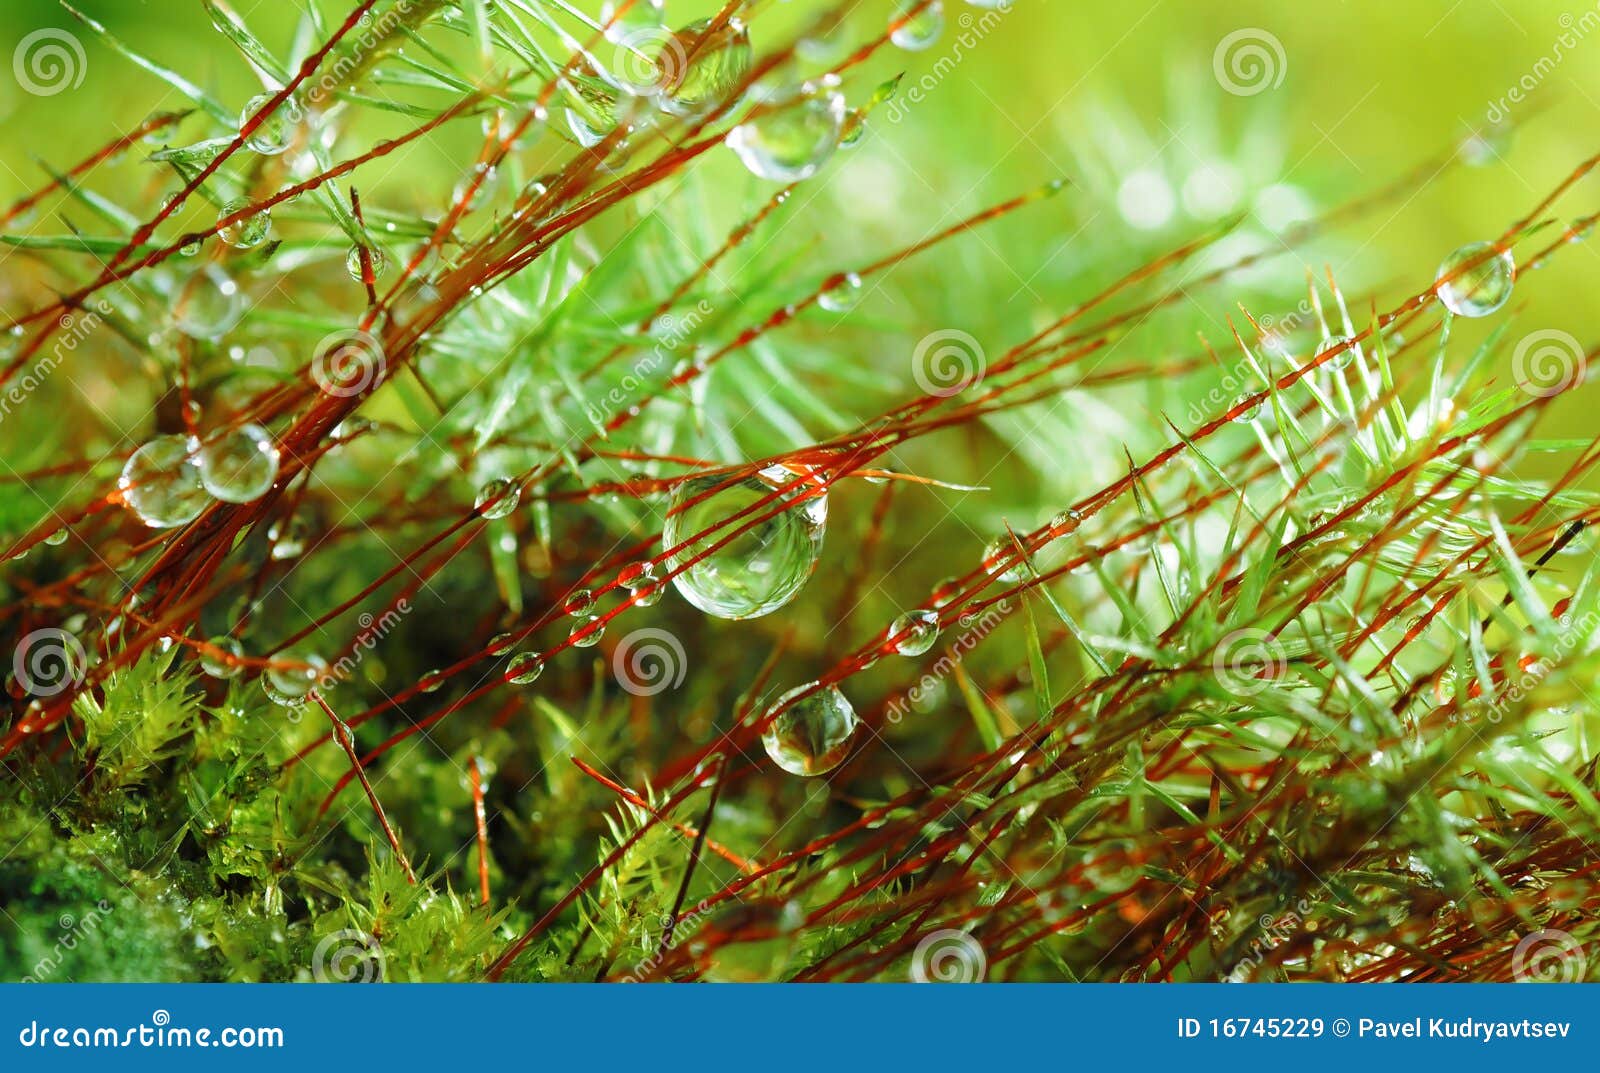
(292, 676)
(793, 141)
(921, 30)
(1065, 522)
(248, 232)
(56, 538)
(813, 734)
(272, 136)
(161, 483)
(1251, 412)
(915, 632)
(842, 296)
(855, 128)
(524, 667)
(430, 682)
(590, 639)
(1003, 559)
(207, 304)
(579, 602)
(1341, 359)
(636, 576)
(633, 22)
(239, 465)
(497, 499)
(1481, 289)
(648, 596)
(760, 565)
(946, 591)
(288, 539)
(375, 255)
(696, 77)
(217, 666)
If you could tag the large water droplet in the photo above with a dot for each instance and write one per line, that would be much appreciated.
(161, 483)
(1341, 359)
(762, 566)
(207, 304)
(375, 257)
(497, 499)
(239, 465)
(524, 667)
(792, 142)
(813, 734)
(1481, 289)
(217, 666)
(914, 632)
(272, 136)
(292, 677)
(697, 76)
(921, 30)
(248, 232)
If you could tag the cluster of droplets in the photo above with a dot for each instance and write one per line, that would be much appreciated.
(171, 479)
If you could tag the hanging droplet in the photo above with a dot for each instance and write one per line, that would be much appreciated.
(648, 596)
(697, 76)
(1481, 289)
(812, 735)
(208, 304)
(763, 564)
(272, 136)
(523, 668)
(375, 256)
(855, 128)
(56, 538)
(430, 682)
(636, 576)
(239, 465)
(288, 539)
(245, 233)
(946, 591)
(793, 141)
(921, 29)
(1249, 413)
(219, 666)
(842, 296)
(1003, 559)
(579, 602)
(1341, 359)
(161, 483)
(914, 632)
(291, 677)
(590, 639)
(497, 499)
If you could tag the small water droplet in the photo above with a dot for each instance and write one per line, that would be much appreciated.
(1341, 359)
(1249, 413)
(375, 255)
(497, 498)
(590, 639)
(921, 30)
(248, 232)
(842, 296)
(812, 735)
(1003, 559)
(524, 667)
(239, 465)
(1481, 289)
(161, 483)
(915, 632)
(272, 136)
(579, 602)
